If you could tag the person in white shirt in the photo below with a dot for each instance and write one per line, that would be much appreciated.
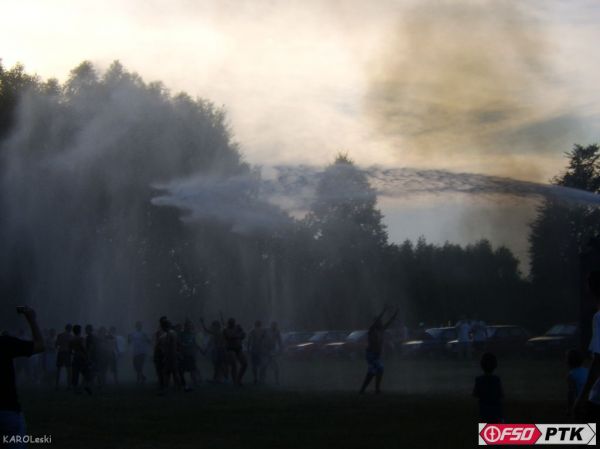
(588, 401)
(463, 330)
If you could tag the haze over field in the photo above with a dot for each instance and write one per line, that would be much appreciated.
(476, 86)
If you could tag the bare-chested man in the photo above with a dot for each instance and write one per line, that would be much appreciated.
(374, 350)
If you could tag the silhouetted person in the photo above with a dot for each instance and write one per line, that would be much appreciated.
(216, 349)
(140, 343)
(488, 389)
(256, 349)
(479, 332)
(463, 331)
(188, 348)
(91, 347)
(12, 421)
(272, 348)
(588, 402)
(375, 349)
(63, 354)
(103, 354)
(22, 365)
(234, 336)
(576, 378)
(80, 363)
(165, 355)
(49, 358)
(113, 359)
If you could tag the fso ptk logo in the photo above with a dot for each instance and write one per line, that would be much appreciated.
(525, 434)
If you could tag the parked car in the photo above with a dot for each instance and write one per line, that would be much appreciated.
(558, 338)
(315, 343)
(293, 338)
(354, 345)
(501, 339)
(432, 343)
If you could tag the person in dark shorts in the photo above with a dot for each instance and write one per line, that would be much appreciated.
(188, 349)
(272, 347)
(375, 349)
(216, 349)
(488, 389)
(113, 356)
(91, 347)
(80, 362)
(256, 349)
(103, 354)
(12, 422)
(165, 355)
(63, 354)
(140, 342)
(234, 336)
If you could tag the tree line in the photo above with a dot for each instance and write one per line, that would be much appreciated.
(80, 162)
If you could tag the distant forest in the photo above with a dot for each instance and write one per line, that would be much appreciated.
(81, 240)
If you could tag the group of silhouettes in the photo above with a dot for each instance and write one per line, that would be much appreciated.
(89, 358)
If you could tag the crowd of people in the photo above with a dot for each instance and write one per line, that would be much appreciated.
(471, 335)
(87, 359)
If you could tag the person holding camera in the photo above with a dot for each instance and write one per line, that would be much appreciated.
(12, 421)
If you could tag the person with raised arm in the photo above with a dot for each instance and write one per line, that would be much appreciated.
(375, 349)
(12, 422)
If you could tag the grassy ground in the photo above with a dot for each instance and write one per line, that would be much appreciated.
(427, 404)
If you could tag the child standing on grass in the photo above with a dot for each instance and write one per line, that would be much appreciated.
(488, 389)
(576, 378)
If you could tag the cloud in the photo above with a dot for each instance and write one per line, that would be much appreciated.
(475, 80)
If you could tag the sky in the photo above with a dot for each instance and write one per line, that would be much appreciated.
(496, 87)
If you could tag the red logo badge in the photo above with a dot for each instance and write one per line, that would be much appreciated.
(500, 434)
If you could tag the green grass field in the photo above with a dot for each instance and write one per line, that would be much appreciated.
(426, 404)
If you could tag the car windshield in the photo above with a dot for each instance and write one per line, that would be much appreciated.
(318, 336)
(297, 337)
(356, 335)
(335, 336)
(562, 329)
(434, 333)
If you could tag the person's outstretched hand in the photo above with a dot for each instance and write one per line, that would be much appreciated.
(28, 312)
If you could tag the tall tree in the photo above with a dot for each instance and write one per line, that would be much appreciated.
(349, 241)
(558, 235)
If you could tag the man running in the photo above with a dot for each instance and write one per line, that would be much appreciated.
(375, 349)
(63, 355)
